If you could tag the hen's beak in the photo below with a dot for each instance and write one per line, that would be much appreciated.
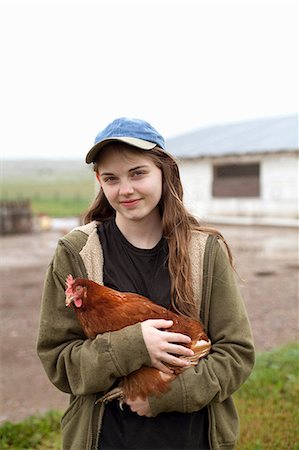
(69, 299)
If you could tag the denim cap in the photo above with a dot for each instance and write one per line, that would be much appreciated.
(135, 132)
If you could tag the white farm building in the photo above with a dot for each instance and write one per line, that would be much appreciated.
(244, 172)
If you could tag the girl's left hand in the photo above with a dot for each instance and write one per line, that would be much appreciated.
(139, 406)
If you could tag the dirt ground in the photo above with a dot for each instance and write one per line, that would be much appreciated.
(267, 264)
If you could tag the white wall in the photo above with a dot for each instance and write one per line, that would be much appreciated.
(197, 178)
(278, 183)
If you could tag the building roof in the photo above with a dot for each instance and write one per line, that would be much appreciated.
(254, 136)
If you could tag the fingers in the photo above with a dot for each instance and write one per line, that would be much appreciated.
(179, 350)
(139, 406)
(173, 360)
(162, 368)
(164, 346)
(171, 337)
(159, 323)
(177, 337)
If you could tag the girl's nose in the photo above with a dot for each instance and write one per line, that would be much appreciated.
(125, 187)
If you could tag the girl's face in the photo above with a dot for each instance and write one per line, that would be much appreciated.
(131, 182)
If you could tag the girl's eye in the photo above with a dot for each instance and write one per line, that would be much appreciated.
(138, 173)
(110, 179)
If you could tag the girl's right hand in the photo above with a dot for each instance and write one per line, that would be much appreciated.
(162, 346)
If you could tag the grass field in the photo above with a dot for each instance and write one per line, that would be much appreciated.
(268, 402)
(55, 188)
(267, 405)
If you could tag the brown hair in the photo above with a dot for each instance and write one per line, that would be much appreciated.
(177, 226)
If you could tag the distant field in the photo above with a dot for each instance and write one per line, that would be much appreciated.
(56, 188)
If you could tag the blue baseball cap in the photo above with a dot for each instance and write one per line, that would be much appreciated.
(135, 132)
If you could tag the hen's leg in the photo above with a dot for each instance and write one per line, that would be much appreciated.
(115, 393)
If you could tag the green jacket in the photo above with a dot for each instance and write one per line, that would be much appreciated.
(86, 368)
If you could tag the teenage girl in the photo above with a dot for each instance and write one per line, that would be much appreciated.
(139, 237)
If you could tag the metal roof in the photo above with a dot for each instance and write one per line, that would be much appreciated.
(254, 136)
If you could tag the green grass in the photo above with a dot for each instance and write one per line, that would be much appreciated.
(57, 206)
(268, 402)
(56, 189)
(267, 405)
(36, 432)
(62, 207)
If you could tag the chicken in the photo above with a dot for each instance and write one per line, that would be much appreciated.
(100, 309)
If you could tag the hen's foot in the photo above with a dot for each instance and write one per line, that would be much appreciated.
(116, 393)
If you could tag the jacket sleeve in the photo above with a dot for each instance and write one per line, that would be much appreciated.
(231, 360)
(73, 363)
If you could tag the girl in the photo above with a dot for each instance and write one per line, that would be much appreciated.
(138, 237)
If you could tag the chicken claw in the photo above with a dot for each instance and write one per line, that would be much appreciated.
(116, 393)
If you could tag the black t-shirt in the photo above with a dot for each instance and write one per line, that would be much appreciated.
(144, 271)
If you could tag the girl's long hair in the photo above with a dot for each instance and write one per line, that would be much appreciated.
(177, 226)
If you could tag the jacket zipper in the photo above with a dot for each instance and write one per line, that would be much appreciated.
(93, 435)
(211, 250)
(208, 277)
(82, 274)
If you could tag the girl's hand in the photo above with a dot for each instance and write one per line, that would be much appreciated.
(164, 345)
(139, 406)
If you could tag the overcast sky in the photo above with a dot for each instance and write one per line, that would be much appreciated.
(71, 67)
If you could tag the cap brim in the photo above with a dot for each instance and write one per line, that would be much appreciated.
(135, 142)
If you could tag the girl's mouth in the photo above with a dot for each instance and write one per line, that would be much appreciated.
(130, 203)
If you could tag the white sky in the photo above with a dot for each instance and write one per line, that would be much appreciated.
(71, 67)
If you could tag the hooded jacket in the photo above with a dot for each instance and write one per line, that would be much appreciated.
(86, 368)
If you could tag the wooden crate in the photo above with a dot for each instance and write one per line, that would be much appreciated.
(15, 217)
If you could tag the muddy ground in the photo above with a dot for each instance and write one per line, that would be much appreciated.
(266, 260)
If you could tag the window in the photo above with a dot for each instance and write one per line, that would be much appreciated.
(236, 180)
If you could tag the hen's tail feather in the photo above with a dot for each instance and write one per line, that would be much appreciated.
(144, 382)
(200, 348)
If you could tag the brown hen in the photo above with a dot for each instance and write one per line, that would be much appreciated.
(100, 309)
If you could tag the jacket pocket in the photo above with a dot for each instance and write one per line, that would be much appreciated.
(76, 421)
(226, 423)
